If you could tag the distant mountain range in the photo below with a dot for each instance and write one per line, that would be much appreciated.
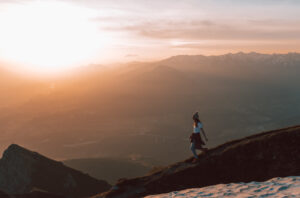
(99, 111)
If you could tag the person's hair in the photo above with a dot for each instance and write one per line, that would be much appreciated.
(196, 116)
(196, 121)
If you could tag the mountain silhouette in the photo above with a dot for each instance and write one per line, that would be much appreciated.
(22, 171)
(255, 158)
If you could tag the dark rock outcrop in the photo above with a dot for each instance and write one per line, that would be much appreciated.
(22, 171)
(33, 194)
(3, 195)
(254, 158)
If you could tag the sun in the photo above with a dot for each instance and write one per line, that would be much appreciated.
(48, 37)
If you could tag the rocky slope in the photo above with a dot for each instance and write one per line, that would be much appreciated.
(33, 194)
(254, 158)
(22, 171)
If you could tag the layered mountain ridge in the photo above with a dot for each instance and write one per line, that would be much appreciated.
(236, 95)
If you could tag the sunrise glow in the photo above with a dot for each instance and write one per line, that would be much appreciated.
(49, 37)
(53, 36)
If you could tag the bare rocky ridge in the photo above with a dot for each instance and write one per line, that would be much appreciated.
(255, 158)
(22, 171)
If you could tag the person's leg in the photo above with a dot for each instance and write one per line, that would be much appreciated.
(199, 147)
(193, 149)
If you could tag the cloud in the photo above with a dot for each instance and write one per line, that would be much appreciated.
(212, 30)
(139, 25)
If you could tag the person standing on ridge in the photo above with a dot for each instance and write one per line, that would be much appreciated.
(196, 141)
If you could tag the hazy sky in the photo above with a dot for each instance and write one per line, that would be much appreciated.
(201, 26)
(154, 29)
(210, 26)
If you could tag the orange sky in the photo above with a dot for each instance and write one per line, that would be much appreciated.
(51, 35)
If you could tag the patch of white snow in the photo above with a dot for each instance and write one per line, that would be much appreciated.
(276, 188)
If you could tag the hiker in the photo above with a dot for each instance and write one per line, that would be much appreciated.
(196, 141)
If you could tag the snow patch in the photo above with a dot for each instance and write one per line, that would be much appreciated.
(276, 187)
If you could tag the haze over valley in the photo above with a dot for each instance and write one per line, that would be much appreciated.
(142, 110)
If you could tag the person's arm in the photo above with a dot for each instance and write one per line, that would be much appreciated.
(204, 134)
